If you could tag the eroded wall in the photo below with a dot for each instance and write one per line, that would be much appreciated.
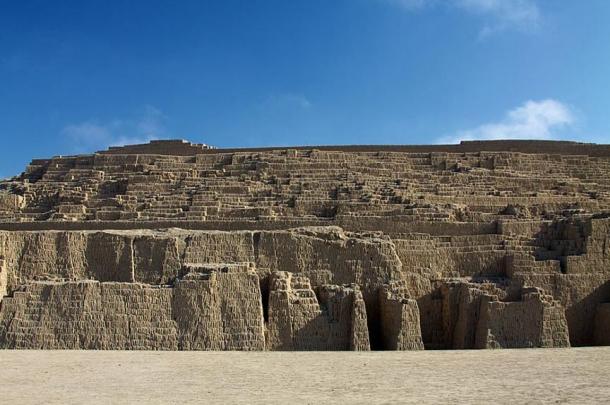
(382, 248)
(311, 288)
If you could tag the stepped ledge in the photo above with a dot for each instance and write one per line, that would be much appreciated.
(179, 246)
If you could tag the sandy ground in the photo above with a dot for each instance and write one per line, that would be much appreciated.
(501, 376)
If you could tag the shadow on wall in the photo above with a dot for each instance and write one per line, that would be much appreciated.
(581, 315)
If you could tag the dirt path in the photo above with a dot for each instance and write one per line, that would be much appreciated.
(502, 376)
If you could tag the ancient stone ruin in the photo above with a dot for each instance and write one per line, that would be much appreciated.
(179, 246)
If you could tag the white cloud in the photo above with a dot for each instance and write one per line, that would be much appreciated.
(532, 120)
(94, 135)
(498, 15)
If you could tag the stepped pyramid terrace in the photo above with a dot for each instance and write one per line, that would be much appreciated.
(178, 246)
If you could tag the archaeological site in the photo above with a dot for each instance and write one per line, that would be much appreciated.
(178, 246)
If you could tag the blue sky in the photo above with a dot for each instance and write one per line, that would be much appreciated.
(79, 76)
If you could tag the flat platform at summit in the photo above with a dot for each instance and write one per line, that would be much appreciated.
(578, 376)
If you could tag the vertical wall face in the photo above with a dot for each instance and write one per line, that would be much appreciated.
(240, 309)
(602, 325)
(509, 325)
(220, 309)
(88, 315)
(110, 257)
(3, 278)
(461, 313)
(400, 324)
(346, 314)
(157, 260)
(299, 321)
(280, 314)
(329, 297)
(359, 333)
(330, 256)
(333, 256)
(579, 294)
(43, 255)
(196, 310)
(400, 318)
(535, 321)
(468, 312)
(216, 310)
(555, 331)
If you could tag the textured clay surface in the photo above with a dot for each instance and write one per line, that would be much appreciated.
(179, 246)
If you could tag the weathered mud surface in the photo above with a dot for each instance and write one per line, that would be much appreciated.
(174, 246)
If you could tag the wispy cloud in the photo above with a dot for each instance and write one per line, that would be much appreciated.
(95, 135)
(497, 15)
(500, 15)
(412, 4)
(532, 120)
(284, 101)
